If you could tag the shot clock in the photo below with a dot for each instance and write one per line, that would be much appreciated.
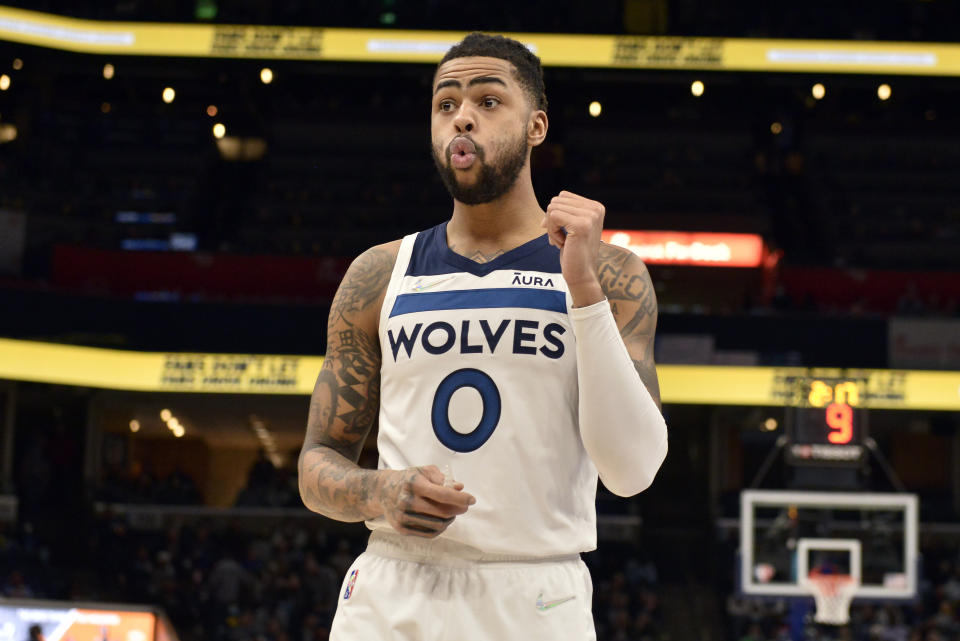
(828, 429)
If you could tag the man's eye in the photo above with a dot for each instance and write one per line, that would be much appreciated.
(490, 103)
(446, 105)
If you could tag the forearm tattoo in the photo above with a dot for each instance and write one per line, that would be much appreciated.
(626, 283)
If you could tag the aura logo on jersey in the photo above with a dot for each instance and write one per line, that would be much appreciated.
(519, 278)
(478, 337)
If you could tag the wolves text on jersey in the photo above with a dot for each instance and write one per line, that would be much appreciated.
(439, 337)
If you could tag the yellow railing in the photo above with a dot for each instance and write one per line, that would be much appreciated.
(275, 374)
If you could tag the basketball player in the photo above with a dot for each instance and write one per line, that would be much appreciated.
(508, 357)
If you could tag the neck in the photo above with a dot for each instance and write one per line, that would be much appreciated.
(502, 224)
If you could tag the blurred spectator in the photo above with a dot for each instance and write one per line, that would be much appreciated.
(910, 303)
(269, 486)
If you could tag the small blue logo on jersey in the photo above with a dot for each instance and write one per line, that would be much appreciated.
(536, 281)
(348, 591)
(419, 286)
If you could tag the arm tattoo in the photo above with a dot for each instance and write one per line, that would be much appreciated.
(626, 283)
(352, 372)
(364, 283)
(346, 399)
(334, 486)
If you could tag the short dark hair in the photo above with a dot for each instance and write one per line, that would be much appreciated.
(527, 68)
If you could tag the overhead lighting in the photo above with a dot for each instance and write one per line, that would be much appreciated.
(4, 82)
(770, 424)
(169, 94)
(818, 91)
(165, 415)
(108, 71)
(884, 92)
(776, 128)
(178, 431)
(696, 88)
(219, 130)
(266, 75)
(212, 110)
(8, 132)
(17, 64)
(134, 426)
(266, 439)
(595, 108)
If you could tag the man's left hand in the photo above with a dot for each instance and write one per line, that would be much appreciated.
(573, 225)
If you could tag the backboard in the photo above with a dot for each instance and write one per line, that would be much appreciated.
(786, 535)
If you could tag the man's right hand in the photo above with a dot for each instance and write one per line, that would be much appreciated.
(415, 501)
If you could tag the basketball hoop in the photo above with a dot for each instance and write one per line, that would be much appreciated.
(833, 594)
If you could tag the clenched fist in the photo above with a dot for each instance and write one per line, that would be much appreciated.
(573, 224)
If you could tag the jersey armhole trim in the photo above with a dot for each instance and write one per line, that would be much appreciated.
(396, 279)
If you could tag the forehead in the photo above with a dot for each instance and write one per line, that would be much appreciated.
(467, 68)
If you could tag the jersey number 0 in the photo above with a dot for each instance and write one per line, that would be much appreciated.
(440, 415)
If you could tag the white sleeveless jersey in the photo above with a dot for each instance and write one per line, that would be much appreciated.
(479, 374)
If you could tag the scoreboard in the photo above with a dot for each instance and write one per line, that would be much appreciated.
(828, 429)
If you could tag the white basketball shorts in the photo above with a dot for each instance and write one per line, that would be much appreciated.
(405, 588)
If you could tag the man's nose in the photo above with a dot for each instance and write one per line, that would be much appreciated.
(464, 122)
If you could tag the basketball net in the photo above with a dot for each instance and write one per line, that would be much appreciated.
(833, 594)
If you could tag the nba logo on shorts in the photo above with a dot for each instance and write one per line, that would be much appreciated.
(348, 591)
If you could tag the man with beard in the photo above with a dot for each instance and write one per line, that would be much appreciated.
(507, 347)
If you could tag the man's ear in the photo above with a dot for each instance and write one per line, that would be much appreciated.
(537, 127)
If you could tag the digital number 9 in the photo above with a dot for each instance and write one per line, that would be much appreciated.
(840, 420)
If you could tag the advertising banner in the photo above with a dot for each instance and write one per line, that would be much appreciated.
(66, 623)
(690, 248)
(924, 343)
(398, 45)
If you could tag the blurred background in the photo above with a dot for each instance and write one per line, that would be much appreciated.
(191, 211)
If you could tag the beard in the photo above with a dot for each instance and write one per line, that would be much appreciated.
(492, 181)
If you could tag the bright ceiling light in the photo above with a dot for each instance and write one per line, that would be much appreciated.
(696, 88)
